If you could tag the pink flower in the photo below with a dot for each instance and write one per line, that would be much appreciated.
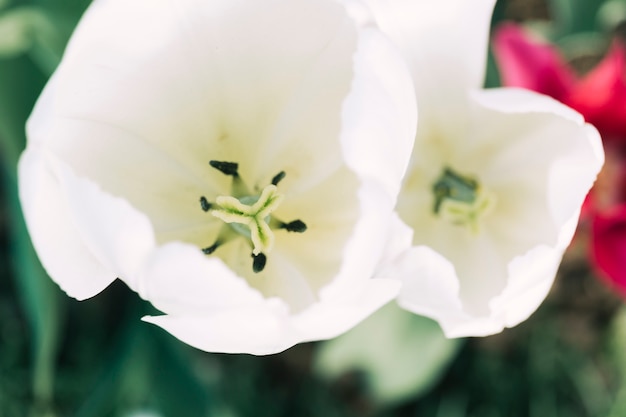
(529, 63)
(600, 96)
(608, 245)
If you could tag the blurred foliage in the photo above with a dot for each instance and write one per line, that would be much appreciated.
(59, 357)
(400, 354)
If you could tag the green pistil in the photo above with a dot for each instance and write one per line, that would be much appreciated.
(248, 215)
(254, 216)
(461, 200)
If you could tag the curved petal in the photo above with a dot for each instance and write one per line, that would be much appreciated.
(63, 253)
(431, 288)
(212, 309)
(527, 63)
(380, 113)
(253, 331)
(530, 279)
(118, 235)
(378, 126)
(330, 318)
(575, 148)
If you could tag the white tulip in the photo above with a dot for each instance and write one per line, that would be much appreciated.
(235, 162)
(496, 180)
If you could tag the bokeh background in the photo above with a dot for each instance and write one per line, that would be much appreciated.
(60, 357)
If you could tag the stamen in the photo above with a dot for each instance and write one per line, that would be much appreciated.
(204, 203)
(209, 250)
(226, 168)
(278, 177)
(258, 262)
(297, 226)
(248, 214)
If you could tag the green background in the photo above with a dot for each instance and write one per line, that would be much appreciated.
(60, 357)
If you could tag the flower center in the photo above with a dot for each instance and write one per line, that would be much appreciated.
(248, 215)
(461, 200)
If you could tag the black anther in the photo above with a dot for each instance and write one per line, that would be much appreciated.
(297, 226)
(209, 250)
(258, 262)
(226, 168)
(204, 203)
(278, 177)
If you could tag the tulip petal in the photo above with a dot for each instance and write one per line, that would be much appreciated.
(331, 318)
(61, 249)
(601, 95)
(380, 87)
(214, 310)
(117, 234)
(527, 63)
(608, 246)
(458, 56)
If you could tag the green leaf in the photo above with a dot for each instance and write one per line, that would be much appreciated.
(611, 14)
(19, 83)
(402, 355)
(183, 378)
(617, 348)
(572, 16)
(126, 356)
(40, 301)
(18, 29)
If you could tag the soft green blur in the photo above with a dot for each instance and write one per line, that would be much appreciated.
(59, 357)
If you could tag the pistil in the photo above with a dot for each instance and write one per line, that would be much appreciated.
(461, 200)
(253, 216)
(248, 215)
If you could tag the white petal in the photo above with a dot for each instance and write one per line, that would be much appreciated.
(380, 115)
(118, 235)
(379, 125)
(431, 289)
(178, 279)
(242, 330)
(210, 307)
(214, 310)
(441, 40)
(59, 246)
(331, 318)
(84, 237)
(575, 147)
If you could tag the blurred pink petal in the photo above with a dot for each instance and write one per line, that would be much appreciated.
(601, 95)
(609, 246)
(529, 63)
